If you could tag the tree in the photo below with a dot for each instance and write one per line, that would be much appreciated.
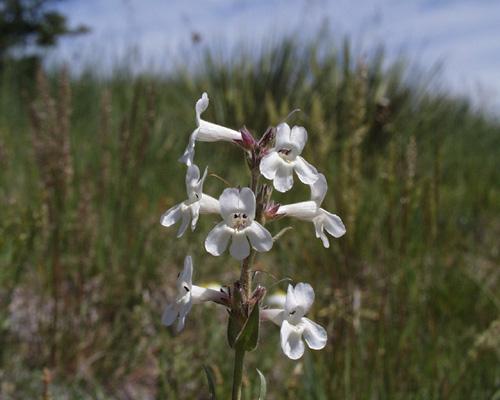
(31, 22)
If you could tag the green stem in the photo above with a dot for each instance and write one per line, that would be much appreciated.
(246, 265)
(246, 285)
(239, 356)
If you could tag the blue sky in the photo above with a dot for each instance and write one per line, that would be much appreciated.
(462, 35)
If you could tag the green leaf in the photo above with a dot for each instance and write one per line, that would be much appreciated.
(248, 338)
(236, 319)
(233, 328)
(263, 385)
(211, 381)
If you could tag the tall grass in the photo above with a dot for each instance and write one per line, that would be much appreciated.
(409, 296)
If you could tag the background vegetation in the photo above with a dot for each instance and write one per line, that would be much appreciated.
(410, 295)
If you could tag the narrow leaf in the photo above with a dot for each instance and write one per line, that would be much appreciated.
(249, 335)
(211, 381)
(233, 328)
(263, 385)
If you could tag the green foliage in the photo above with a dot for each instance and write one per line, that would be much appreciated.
(263, 385)
(409, 296)
(248, 338)
(211, 382)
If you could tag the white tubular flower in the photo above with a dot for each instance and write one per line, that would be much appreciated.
(311, 211)
(206, 132)
(237, 207)
(196, 203)
(278, 165)
(294, 325)
(187, 295)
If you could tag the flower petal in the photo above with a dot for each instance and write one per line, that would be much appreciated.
(283, 181)
(229, 200)
(314, 334)
(188, 155)
(186, 276)
(290, 301)
(291, 341)
(218, 239)
(305, 210)
(201, 106)
(210, 132)
(192, 176)
(186, 217)
(320, 233)
(200, 294)
(209, 205)
(183, 311)
(274, 315)
(333, 224)
(169, 315)
(247, 202)
(195, 214)
(237, 200)
(171, 216)
(319, 189)
(181, 322)
(282, 135)
(259, 237)
(269, 164)
(305, 171)
(298, 137)
(304, 296)
(240, 248)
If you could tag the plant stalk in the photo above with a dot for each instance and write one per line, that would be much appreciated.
(246, 285)
(239, 356)
(246, 265)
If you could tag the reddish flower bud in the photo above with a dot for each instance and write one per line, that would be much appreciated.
(247, 140)
(271, 210)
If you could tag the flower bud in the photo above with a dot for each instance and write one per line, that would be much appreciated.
(247, 140)
(257, 295)
(271, 210)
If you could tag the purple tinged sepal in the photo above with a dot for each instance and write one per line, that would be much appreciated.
(247, 140)
(271, 211)
(267, 137)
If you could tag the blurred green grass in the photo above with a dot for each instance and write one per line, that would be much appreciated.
(409, 296)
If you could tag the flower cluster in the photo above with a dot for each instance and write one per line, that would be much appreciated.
(244, 212)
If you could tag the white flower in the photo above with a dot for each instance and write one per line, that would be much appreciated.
(237, 207)
(196, 203)
(311, 211)
(187, 295)
(206, 132)
(294, 325)
(278, 165)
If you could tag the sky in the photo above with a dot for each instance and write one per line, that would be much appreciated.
(462, 36)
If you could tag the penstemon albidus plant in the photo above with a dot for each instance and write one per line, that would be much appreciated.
(244, 212)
